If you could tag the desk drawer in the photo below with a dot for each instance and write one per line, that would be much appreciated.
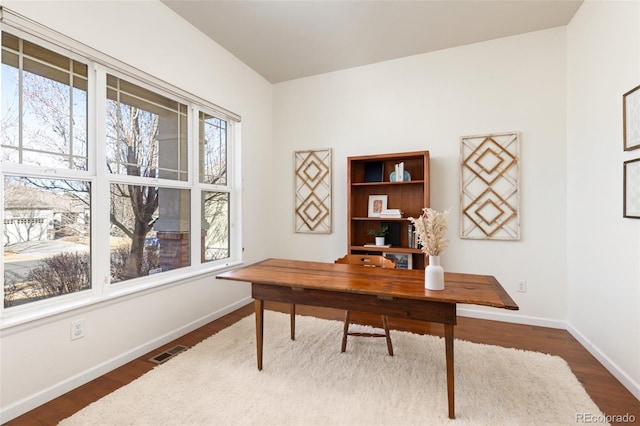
(424, 310)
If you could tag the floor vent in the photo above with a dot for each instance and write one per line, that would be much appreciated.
(169, 353)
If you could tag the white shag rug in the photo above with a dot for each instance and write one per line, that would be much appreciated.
(310, 382)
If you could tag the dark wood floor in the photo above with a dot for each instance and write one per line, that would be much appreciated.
(604, 389)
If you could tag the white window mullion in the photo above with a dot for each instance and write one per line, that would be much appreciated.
(196, 192)
(235, 159)
(1, 197)
(100, 190)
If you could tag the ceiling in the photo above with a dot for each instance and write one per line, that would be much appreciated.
(285, 40)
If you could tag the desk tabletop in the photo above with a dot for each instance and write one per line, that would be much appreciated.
(398, 283)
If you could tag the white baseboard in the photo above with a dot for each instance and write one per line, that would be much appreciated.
(607, 363)
(46, 395)
(612, 367)
(507, 316)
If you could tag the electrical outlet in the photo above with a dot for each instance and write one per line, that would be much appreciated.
(77, 329)
(522, 286)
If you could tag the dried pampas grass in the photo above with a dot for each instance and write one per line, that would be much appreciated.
(431, 228)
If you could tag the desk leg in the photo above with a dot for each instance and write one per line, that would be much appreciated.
(448, 341)
(259, 308)
(292, 313)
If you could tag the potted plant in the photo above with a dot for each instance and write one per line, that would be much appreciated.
(379, 234)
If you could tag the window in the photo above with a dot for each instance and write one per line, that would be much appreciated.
(44, 106)
(213, 150)
(215, 208)
(146, 132)
(215, 192)
(46, 238)
(146, 141)
(151, 234)
(140, 187)
(46, 229)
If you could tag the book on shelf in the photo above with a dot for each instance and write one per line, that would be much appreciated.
(412, 238)
(391, 213)
(399, 173)
(373, 171)
(377, 245)
(399, 169)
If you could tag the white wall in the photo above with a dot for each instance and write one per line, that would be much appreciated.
(428, 102)
(603, 45)
(571, 189)
(38, 360)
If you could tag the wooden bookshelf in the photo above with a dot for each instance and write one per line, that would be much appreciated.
(369, 175)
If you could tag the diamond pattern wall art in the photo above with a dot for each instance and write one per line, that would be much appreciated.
(490, 186)
(312, 191)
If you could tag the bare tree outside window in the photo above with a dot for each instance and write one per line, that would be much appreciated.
(146, 138)
(50, 92)
(213, 150)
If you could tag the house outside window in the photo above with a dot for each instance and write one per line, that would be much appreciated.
(107, 162)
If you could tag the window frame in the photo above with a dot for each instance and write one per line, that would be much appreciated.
(96, 173)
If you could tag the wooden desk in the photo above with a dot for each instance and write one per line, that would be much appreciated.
(393, 292)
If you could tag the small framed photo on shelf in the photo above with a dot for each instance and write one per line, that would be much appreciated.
(631, 119)
(377, 203)
(631, 186)
(402, 260)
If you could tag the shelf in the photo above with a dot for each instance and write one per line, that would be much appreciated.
(395, 249)
(368, 176)
(383, 219)
(407, 182)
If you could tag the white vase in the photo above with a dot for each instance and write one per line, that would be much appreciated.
(434, 274)
(379, 241)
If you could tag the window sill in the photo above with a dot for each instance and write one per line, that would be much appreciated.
(60, 307)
